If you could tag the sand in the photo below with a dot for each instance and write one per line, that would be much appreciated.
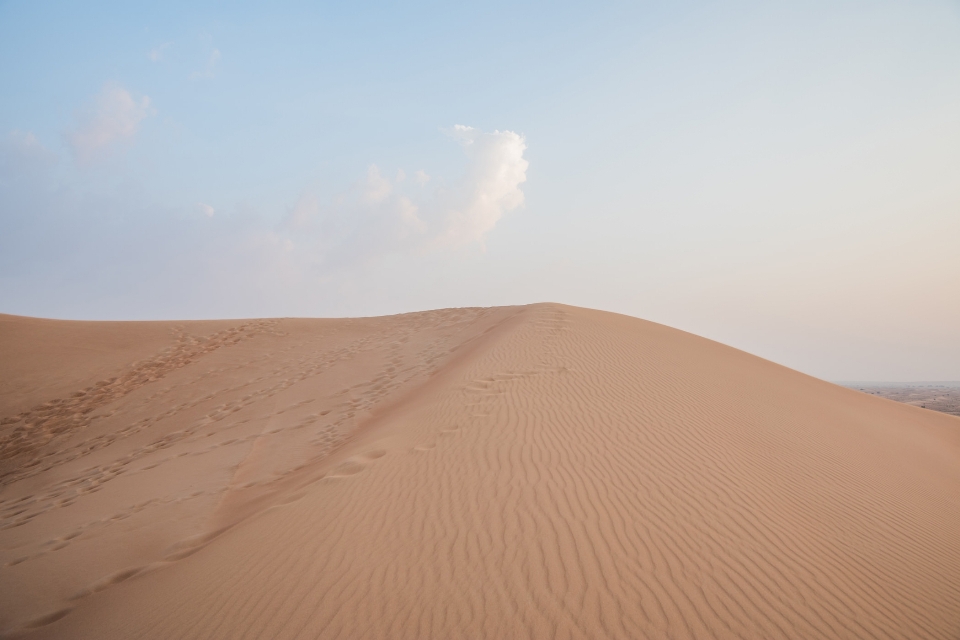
(527, 472)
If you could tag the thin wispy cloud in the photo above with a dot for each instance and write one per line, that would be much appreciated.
(156, 54)
(375, 188)
(210, 68)
(22, 147)
(113, 118)
(304, 212)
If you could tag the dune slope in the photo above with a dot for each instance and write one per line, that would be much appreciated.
(541, 471)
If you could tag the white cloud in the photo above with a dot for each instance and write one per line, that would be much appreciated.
(156, 54)
(115, 116)
(378, 216)
(491, 187)
(463, 133)
(210, 68)
(375, 188)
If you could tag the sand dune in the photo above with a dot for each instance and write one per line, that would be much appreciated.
(526, 472)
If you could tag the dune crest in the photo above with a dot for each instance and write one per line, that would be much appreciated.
(538, 472)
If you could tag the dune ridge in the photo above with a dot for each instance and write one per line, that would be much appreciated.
(540, 471)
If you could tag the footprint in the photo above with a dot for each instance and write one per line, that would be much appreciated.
(293, 497)
(425, 447)
(347, 468)
(110, 580)
(50, 618)
(191, 545)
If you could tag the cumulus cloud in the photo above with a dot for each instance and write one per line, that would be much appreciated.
(114, 117)
(491, 187)
(210, 68)
(379, 216)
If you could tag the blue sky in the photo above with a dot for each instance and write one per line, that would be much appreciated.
(784, 177)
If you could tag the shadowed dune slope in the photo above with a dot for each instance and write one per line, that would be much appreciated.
(525, 472)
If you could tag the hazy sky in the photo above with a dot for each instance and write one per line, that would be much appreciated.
(781, 177)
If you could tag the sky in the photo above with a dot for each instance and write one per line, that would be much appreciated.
(780, 177)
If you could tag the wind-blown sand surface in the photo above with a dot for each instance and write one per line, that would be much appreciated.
(526, 472)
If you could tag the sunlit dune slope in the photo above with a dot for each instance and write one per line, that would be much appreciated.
(525, 472)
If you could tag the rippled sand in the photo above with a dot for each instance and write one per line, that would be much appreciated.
(525, 472)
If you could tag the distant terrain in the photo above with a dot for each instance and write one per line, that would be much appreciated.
(936, 396)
